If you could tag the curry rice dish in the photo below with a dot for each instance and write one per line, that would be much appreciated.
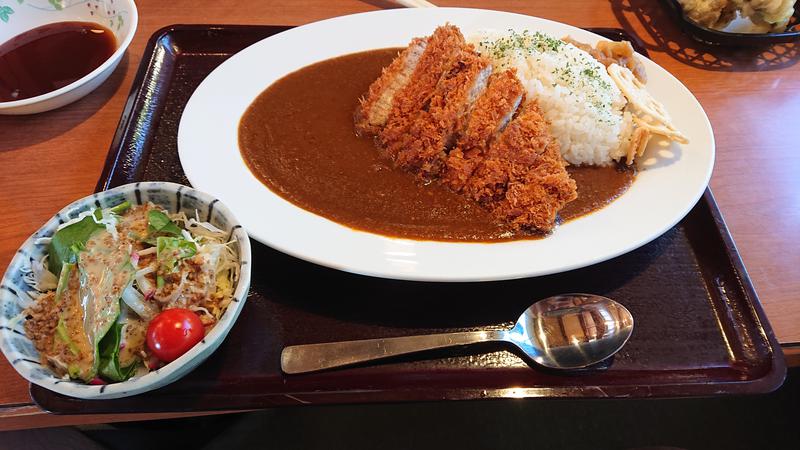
(477, 140)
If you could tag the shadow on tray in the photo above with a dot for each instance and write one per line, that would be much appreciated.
(404, 304)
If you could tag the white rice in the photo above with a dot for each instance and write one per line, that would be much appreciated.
(573, 90)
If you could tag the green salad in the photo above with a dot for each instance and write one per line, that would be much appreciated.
(124, 290)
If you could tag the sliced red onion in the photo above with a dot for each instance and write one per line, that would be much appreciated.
(135, 300)
(143, 283)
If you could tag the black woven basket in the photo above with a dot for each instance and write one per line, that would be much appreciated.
(715, 37)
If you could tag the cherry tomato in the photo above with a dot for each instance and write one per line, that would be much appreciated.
(173, 332)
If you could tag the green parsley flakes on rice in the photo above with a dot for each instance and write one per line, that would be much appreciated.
(583, 104)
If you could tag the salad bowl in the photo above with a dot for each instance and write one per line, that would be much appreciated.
(16, 294)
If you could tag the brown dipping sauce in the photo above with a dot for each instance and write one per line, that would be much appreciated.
(297, 137)
(52, 56)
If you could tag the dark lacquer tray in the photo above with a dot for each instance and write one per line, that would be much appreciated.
(699, 327)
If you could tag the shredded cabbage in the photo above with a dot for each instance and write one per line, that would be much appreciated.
(38, 277)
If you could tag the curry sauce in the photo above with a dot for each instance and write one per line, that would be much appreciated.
(297, 138)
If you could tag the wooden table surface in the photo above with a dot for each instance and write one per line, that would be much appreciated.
(751, 96)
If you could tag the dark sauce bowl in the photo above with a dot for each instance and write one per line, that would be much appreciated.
(120, 17)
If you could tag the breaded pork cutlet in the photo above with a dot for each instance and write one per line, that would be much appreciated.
(421, 146)
(374, 107)
(491, 113)
(438, 111)
(523, 180)
(443, 47)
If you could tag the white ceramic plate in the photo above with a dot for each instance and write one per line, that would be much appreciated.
(671, 181)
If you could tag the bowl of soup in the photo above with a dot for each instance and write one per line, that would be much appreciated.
(54, 52)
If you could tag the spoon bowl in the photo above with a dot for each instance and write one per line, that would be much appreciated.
(568, 331)
(572, 331)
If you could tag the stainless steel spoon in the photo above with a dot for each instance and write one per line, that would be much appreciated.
(567, 331)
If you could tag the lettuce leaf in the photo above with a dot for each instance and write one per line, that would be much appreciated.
(170, 250)
(101, 284)
(159, 223)
(69, 241)
(109, 356)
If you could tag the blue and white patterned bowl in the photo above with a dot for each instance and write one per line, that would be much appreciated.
(14, 297)
(19, 16)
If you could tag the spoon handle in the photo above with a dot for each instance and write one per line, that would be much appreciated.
(313, 357)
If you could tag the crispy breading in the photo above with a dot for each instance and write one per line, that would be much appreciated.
(523, 179)
(715, 14)
(421, 147)
(491, 113)
(374, 108)
(444, 45)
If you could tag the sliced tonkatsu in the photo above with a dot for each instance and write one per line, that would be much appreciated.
(408, 82)
(523, 180)
(454, 121)
(420, 147)
(445, 46)
(491, 113)
(441, 50)
(374, 107)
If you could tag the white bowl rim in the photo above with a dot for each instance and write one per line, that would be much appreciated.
(150, 380)
(116, 56)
